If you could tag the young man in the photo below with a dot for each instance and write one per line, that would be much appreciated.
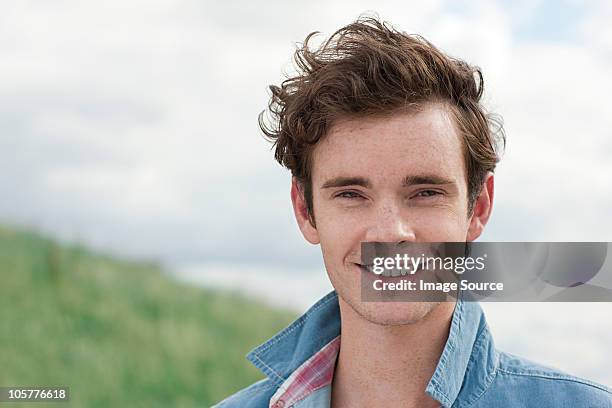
(387, 141)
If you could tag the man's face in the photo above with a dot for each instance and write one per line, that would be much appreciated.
(387, 179)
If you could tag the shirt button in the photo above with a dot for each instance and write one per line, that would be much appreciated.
(279, 404)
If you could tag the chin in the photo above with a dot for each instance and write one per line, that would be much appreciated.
(392, 313)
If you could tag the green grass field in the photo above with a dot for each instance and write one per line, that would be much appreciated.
(119, 333)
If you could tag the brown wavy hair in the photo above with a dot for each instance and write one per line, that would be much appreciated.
(370, 68)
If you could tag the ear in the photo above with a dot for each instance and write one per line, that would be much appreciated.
(482, 209)
(300, 210)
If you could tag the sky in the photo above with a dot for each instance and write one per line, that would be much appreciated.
(131, 126)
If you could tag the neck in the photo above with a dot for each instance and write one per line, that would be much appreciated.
(388, 365)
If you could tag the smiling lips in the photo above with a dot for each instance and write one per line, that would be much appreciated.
(388, 273)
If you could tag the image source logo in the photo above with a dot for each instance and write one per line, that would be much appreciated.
(486, 271)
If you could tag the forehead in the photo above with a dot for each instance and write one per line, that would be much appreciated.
(391, 147)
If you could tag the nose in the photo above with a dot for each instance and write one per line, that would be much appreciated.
(388, 224)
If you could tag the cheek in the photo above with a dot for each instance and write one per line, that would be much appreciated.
(340, 232)
(337, 231)
(332, 219)
(440, 224)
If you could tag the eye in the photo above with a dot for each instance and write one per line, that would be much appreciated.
(428, 193)
(351, 195)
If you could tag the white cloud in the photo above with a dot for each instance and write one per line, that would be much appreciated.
(159, 101)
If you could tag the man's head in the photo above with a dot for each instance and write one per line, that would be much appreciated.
(387, 141)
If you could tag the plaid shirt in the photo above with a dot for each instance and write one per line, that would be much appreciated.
(313, 374)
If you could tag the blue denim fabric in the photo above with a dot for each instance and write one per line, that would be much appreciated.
(471, 371)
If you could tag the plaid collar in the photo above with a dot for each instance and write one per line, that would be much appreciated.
(315, 373)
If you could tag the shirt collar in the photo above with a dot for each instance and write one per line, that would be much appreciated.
(317, 372)
(466, 367)
(469, 360)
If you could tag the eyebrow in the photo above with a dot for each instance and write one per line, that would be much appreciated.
(425, 179)
(347, 181)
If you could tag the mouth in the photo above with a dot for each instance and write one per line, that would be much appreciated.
(387, 273)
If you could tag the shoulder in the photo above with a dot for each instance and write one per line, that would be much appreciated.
(523, 382)
(256, 395)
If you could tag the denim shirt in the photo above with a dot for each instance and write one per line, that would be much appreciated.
(471, 372)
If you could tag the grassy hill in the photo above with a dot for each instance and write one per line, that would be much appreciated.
(119, 333)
